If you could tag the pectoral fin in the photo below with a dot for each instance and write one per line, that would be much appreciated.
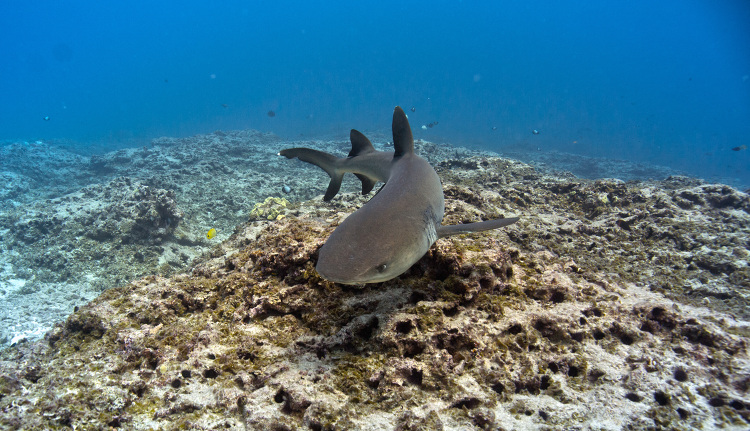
(443, 231)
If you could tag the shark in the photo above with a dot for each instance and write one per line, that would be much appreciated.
(395, 228)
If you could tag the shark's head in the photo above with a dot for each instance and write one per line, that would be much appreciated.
(357, 254)
(358, 273)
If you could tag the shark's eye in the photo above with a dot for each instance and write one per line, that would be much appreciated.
(381, 268)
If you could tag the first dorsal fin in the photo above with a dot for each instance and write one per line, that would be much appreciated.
(403, 141)
(360, 144)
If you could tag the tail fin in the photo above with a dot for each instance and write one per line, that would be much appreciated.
(325, 161)
(360, 145)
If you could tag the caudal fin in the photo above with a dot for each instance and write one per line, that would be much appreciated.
(328, 162)
(325, 161)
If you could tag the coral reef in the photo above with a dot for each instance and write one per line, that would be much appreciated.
(34, 170)
(74, 226)
(121, 214)
(69, 249)
(610, 305)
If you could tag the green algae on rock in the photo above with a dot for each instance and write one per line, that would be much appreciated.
(272, 208)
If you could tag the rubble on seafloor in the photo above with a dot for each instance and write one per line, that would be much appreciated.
(73, 226)
(609, 305)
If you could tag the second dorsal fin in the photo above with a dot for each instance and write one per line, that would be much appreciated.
(360, 144)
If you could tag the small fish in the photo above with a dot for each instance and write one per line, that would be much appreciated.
(211, 233)
(535, 131)
(286, 189)
(46, 118)
(413, 109)
(224, 105)
(740, 148)
(271, 114)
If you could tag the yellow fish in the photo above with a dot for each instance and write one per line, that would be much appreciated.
(211, 233)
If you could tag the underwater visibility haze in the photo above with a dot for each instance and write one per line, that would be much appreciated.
(666, 83)
(564, 243)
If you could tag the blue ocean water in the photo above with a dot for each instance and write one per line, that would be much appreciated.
(661, 82)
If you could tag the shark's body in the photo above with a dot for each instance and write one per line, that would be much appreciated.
(386, 236)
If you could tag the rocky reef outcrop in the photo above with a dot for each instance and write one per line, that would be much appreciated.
(610, 305)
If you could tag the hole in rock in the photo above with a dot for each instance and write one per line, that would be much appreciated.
(365, 331)
(415, 297)
(680, 374)
(632, 396)
(544, 382)
(626, 339)
(404, 327)
(469, 403)
(451, 311)
(412, 348)
(245, 355)
(737, 405)
(557, 296)
(414, 376)
(661, 398)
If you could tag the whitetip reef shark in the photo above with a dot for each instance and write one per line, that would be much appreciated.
(394, 229)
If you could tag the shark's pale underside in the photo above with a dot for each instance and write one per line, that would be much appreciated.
(388, 234)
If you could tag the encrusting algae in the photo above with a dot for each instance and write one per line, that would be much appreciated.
(272, 208)
(556, 322)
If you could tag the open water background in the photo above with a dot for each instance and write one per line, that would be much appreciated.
(663, 82)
